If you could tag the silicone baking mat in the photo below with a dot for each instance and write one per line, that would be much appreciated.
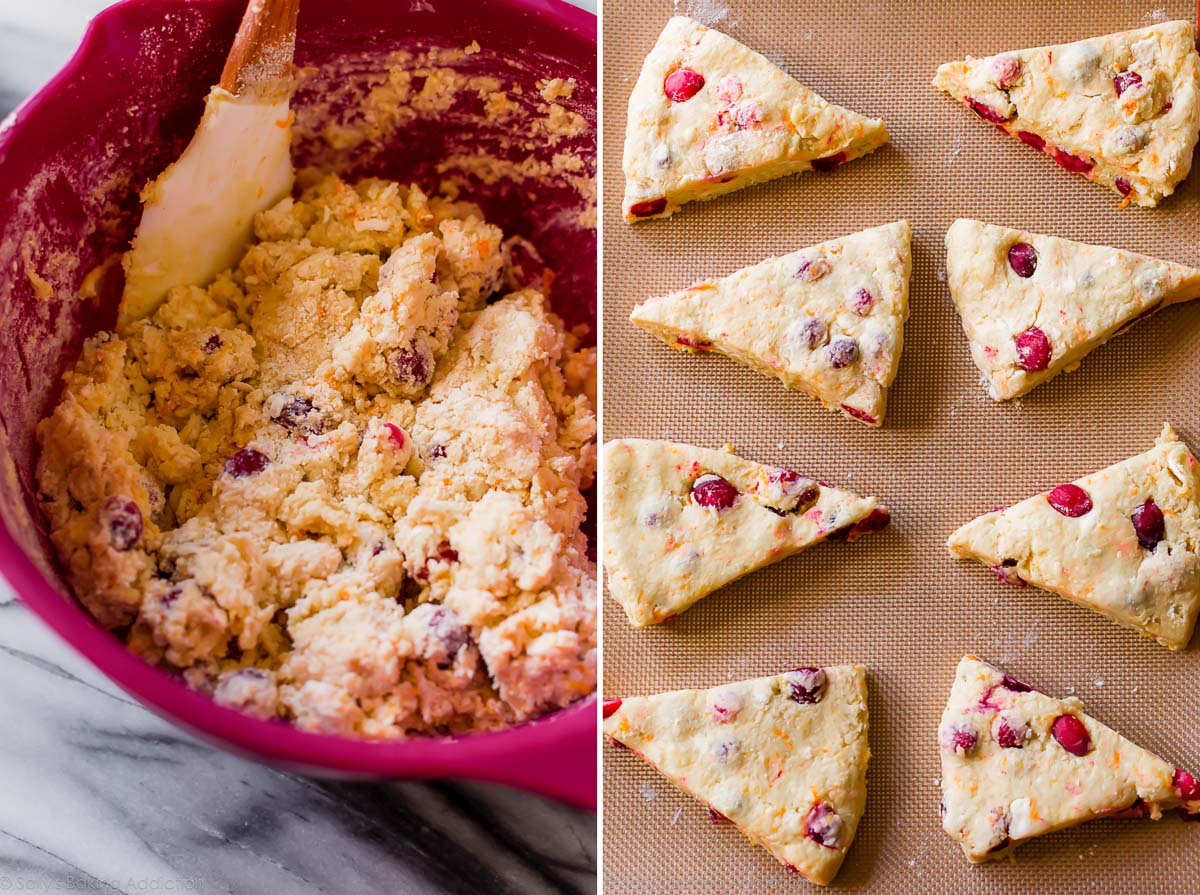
(895, 601)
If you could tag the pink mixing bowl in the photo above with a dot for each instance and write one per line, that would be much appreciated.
(72, 160)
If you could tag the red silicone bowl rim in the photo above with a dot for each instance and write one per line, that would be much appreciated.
(558, 746)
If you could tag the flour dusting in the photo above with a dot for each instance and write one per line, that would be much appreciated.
(706, 12)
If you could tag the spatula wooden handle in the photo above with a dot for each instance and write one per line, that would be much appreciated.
(263, 49)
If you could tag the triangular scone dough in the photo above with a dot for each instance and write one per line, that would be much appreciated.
(784, 757)
(1012, 770)
(1033, 306)
(681, 521)
(736, 120)
(1122, 110)
(1123, 541)
(826, 320)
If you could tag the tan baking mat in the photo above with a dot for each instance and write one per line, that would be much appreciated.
(895, 601)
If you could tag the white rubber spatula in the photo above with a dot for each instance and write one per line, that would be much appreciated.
(198, 214)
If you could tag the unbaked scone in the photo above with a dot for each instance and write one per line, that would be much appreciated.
(342, 484)
(681, 521)
(1121, 110)
(1033, 306)
(709, 115)
(784, 758)
(1124, 541)
(826, 320)
(1017, 763)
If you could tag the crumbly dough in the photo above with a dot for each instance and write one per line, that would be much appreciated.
(748, 122)
(784, 757)
(1007, 775)
(681, 521)
(1078, 297)
(1096, 558)
(1122, 109)
(826, 320)
(341, 485)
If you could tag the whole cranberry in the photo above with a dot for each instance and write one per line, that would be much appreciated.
(712, 491)
(1011, 683)
(123, 519)
(246, 462)
(682, 84)
(798, 492)
(445, 636)
(1005, 70)
(986, 112)
(829, 162)
(961, 739)
(814, 333)
(1070, 733)
(412, 366)
(807, 685)
(863, 302)
(842, 353)
(1033, 350)
(1149, 524)
(1124, 187)
(1011, 733)
(859, 414)
(1023, 258)
(1075, 163)
(1125, 81)
(611, 706)
(1070, 500)
(724, 704)
(1029, 138)
(296, 414)
(812, 270)
(877, 520)
(1186, 785)
(648, 208)
(823, 825)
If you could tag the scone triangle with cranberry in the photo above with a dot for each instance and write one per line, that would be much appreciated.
(1122, 541)
(784, 758)
(709, 115)
(826, 320)
(1017, 763)
(1034, 306)
(1121, 110)
(681, 521)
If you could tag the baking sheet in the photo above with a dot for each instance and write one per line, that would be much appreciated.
(895, 601)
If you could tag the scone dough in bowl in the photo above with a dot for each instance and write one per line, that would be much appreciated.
(1121, 109)
(1017, 763)
(1033, 306)
(1124, 541)
(708, 116)
(682, 521)
(827, 320)
(783, 757)
(341, 485)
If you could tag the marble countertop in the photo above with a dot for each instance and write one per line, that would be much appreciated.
(99, 795)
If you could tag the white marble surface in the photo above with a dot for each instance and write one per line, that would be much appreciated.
(98, 795)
